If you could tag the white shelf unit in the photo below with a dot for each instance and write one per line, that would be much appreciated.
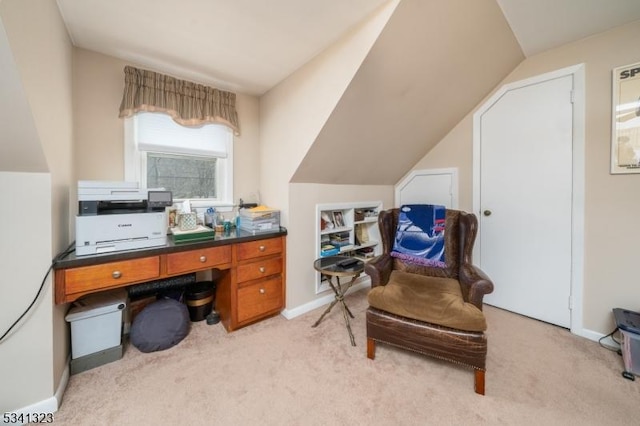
(358, 230)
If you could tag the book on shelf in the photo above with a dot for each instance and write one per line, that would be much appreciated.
(365, 253)
(341, 239)
(329, 250)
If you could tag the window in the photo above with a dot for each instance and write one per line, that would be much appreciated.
(195, 163)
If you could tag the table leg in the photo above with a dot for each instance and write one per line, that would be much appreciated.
(325, 313)
(348, 310)
(342, 292)
(339, 292)
(346, 320)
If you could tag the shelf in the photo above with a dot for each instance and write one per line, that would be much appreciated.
(345, 249)
(364, 259)
(353, 247)
(346, 212)
(336, 230)
(367, 244)
(366, 220)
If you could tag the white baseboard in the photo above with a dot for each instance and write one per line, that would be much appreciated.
(64, 381)
(51, 404)
(596, 336)
(317, 303)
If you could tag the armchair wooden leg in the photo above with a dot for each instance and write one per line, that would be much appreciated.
(371, 348)
(479, 381)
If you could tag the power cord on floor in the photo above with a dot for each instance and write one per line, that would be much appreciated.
(60, 256)
(618, 350)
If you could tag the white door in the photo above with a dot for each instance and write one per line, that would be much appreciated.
(526, 200)
(435, 186)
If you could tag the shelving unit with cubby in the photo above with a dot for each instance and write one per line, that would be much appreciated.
(347, 229)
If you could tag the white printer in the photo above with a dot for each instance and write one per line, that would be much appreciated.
(116, 216)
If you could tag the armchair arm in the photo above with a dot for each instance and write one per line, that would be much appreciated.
(475, 284)
(379, 269)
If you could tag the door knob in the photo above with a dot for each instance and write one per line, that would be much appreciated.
(487, 212)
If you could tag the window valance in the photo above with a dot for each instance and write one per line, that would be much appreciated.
(190, 104)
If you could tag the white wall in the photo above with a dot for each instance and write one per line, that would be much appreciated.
(291, 116)
(25, 254)
(611, 204)
(41, 48)
(16, 121)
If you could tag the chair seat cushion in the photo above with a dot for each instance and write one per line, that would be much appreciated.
(430, 299)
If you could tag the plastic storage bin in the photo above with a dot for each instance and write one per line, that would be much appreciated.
(628, 322)
(260, 220)
(631, 352)
(96, 322)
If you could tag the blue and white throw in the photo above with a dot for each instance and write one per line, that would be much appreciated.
(420, 235)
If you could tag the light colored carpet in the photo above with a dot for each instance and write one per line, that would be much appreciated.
(283, 372)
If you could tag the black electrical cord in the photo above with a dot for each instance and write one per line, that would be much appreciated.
(612, 338)
(59, 257)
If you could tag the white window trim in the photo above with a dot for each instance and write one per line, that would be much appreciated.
(135, 162)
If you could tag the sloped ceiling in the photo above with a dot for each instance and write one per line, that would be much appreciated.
(431, 65)
(251, 45)
(20, 149)
(540, 25)
(241, 45)
(433, 62)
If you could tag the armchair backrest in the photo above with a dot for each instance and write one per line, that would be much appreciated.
(459, 236)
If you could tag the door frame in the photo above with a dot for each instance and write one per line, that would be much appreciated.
(452, 171)
(575, 301)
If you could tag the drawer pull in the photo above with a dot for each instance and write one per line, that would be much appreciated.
(262, 269)
(203, 259)
(262, 291)
(261, 248)
(116, 274)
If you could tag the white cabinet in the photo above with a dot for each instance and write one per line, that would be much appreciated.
(347, 229)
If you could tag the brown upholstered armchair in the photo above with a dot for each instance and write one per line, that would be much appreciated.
(430, 310)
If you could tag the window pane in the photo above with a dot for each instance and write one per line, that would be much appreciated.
(159, 133)
(185, 176)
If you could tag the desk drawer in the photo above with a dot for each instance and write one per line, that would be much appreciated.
(194, 260)
(114, 274)
(259, 248)
(259, 299)
(259, 269)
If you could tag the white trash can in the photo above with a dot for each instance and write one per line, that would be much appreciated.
(96, 322)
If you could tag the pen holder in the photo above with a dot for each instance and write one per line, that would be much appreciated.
(187, 221)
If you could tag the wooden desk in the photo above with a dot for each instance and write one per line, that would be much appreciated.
(251, 286)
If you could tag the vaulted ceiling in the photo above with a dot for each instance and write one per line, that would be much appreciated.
(251, 45)
(432, 63)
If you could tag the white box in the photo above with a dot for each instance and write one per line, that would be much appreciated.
(96, 322)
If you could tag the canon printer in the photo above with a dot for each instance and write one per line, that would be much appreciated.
(116, 216)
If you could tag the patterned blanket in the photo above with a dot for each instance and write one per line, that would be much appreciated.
(420, 235)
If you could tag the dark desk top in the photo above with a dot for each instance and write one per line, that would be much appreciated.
(239, 236)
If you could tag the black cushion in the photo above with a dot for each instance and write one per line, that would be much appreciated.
(160, 325)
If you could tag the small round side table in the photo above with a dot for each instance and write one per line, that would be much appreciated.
(339, 267)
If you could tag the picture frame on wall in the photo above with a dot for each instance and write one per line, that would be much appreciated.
(625, 120)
